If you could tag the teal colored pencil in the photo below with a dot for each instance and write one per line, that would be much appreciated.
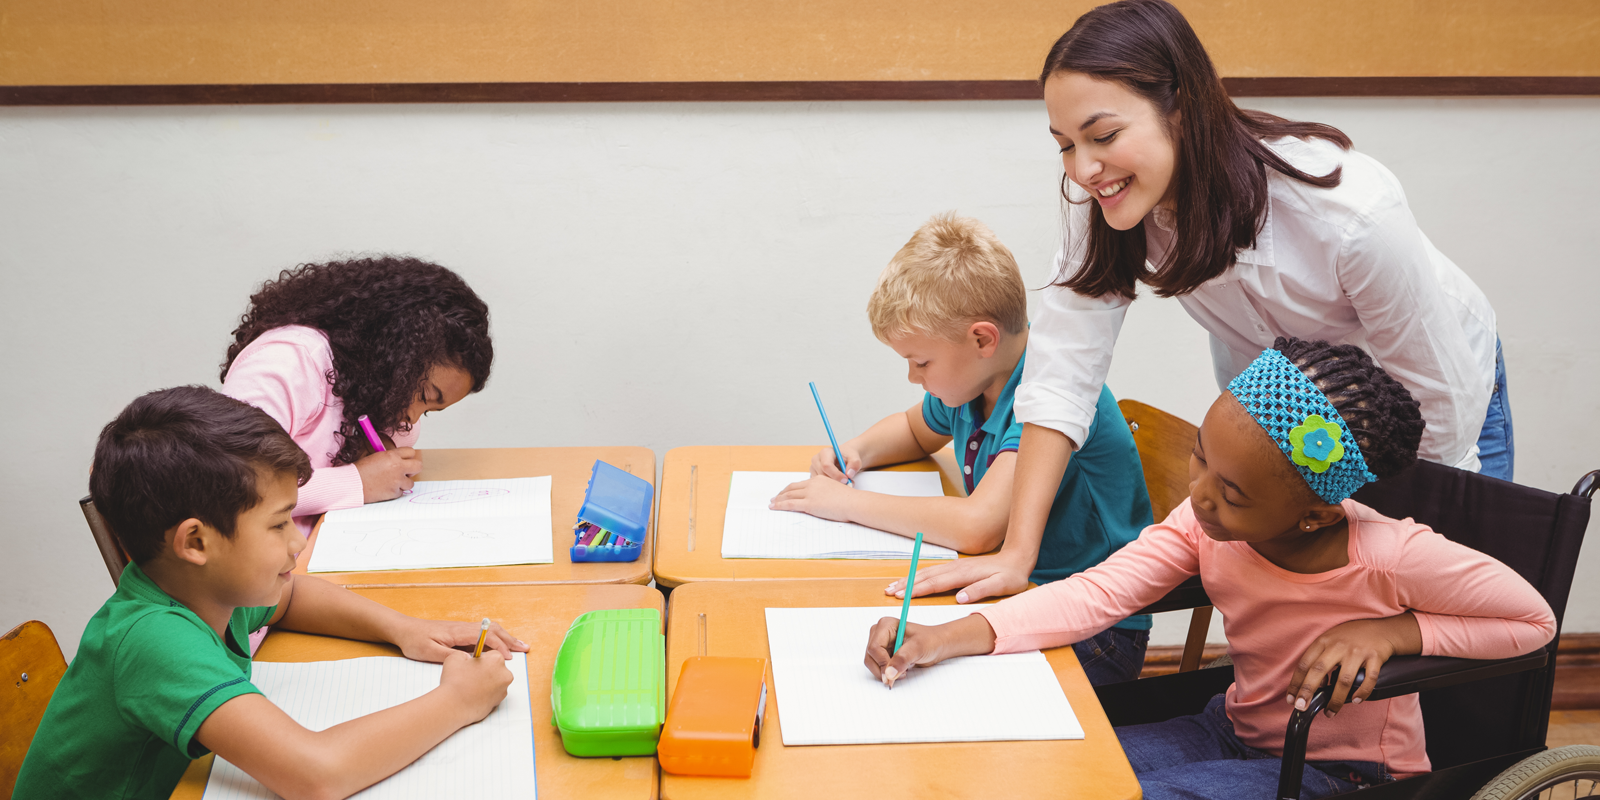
(837, 456)
(905, 607)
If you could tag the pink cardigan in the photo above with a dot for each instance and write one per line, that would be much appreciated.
(285, 373)
(1466, 603)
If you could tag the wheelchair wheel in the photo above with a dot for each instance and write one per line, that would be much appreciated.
(1565, 772)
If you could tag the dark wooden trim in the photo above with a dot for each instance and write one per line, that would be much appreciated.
(738, 91)
(1577, 668)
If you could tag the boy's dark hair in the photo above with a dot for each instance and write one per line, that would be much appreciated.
(1219, 179)
(388, 319)
(185, 452)
(1386, 422)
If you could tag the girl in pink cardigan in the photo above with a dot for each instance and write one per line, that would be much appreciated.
(1307, 581)
(392, 338)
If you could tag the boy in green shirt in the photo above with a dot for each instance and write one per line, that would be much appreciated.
(952, 304)
(198, 488)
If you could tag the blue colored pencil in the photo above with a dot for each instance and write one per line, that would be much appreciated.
(837, 456)
(905, 606)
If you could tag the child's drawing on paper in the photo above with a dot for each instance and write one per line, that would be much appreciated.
(458, 495)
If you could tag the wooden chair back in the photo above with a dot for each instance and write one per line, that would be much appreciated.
(1164, 444)
(30, 667)
(110, 549)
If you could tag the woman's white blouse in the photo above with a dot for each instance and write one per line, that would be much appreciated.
(1346, 264)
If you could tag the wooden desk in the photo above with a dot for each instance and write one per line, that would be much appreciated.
(539, 615)
(569, 469)
(736, 626)
(690, 537)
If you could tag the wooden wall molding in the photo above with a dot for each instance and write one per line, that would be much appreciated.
(747, 91)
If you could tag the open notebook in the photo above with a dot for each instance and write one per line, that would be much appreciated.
(441, 524)
(826, 696)
(751, 530)
(493, 758)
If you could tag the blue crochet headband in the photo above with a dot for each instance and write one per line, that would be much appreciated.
(1305, 426)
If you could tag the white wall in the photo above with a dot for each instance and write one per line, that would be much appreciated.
(664, 275)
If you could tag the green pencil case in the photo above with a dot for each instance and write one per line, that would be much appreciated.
(608, 693)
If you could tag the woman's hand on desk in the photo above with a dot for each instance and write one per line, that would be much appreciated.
(435, 640)
(924, 645)
(978, 577)
(818, 496)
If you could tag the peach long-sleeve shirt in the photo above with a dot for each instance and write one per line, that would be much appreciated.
(284, 372)
(1467, 605)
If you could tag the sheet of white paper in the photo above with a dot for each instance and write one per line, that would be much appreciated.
(441, 524)
(751, 530)
(493, 758)
(826, 696)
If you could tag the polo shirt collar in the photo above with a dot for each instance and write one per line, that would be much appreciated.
(138, 585)
(998, 421)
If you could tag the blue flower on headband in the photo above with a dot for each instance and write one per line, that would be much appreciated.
(1315, 444)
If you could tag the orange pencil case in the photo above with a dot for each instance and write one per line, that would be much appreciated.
(713, 725)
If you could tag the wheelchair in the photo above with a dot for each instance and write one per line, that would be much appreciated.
(1485, 721)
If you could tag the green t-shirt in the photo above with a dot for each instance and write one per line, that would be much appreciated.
(122, 722)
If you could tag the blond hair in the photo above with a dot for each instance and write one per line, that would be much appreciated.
(952, 273)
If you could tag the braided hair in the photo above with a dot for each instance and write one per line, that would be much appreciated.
(389, 320)
(1382, 416)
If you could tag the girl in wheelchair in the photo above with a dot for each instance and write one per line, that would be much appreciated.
(1307, 581)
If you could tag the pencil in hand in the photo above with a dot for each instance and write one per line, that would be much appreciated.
(483, 633)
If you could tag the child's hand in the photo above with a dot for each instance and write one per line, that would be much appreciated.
(978, 577)
(825, 465)
(433, 640)
(387, 475)
(818, 496)
(1350, 647)
(479, 684)
(924, 645)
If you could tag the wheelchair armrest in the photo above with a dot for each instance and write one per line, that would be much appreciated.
(1408, 674)
(1189, 594)
(1400, 675)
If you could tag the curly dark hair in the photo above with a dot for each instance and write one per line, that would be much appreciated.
(389, 320)
(1385, 420)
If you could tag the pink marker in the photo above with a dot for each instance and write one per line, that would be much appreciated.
(372, 435)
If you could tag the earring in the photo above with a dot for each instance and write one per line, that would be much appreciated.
(1307, 526)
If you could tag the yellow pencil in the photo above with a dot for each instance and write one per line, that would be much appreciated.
(483, 633)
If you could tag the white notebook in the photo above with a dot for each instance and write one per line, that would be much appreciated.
(441, 524)
(826, 696)
(493, 758)
(751, 530)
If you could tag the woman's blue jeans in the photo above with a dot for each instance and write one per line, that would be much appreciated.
(1497, 450)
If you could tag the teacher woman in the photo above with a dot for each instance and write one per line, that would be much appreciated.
(1260, 226)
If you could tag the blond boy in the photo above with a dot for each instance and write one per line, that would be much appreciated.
(952, 304)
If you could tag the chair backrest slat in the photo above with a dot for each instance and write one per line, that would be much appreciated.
(29, 649)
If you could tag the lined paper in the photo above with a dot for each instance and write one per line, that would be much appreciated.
(493, 756)
(441, 524)
(826, 695)
(752, 530)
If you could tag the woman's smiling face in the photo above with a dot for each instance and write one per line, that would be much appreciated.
(1114, 143)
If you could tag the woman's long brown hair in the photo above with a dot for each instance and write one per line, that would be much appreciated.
(1219, 180)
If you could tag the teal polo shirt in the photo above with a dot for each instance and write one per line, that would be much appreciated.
(121, 724)
(1101, 504)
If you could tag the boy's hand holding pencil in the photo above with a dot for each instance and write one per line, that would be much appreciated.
(434, 640)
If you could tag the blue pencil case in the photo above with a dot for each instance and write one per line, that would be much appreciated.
(614, 517)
